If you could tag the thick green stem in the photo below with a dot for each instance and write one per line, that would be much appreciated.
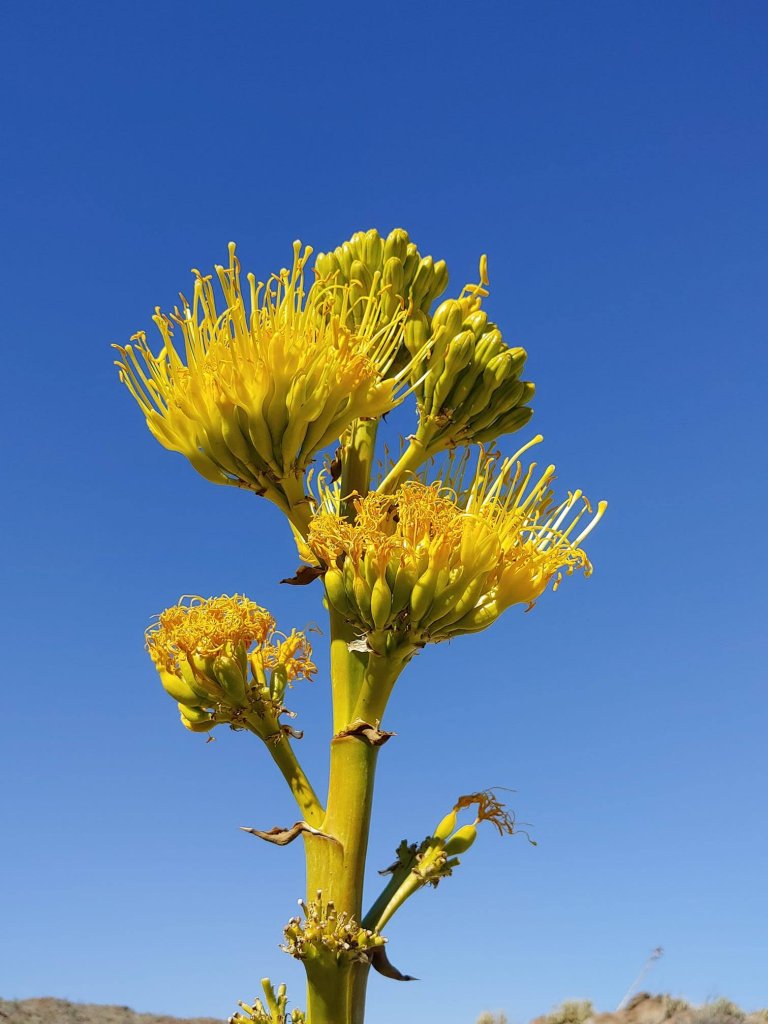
(358, 459)
(305, 796)
(299, 512)
(414, 456)
(330, 993)
(381, 674)
(266, 726)
(336, 991)
(336, 865)
(399, 875)
(336, 868)
(347, 671)
(361, 685)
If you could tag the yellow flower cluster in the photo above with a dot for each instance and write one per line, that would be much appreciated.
(202, 628)
(263, 384)
(326, 933)
(432, 561)
(203, 650)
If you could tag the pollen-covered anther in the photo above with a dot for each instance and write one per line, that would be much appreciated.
(325, 932)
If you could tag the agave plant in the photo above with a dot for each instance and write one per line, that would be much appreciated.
(280, 388)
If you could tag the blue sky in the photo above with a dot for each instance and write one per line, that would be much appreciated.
(611, 160)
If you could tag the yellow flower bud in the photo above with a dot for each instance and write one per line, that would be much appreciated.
(230, 675)
(446, 826)
(363, 598)
(461, 840)
(194, 715)
(196, 726)
(381, 603)
(179, 688)
(334, 588)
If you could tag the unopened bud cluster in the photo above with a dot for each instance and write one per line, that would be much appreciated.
(367, 262)
(469, 386)
(326, 933)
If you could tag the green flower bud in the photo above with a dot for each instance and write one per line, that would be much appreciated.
(449, 315)
(372, 249)
(507, 423)
(393, 275)
(349, 575)
(401, 591)
(439, 279)
(396, 245)
(424, 592)
(477, 322)
(411, 262)
(457, 355)
(360, 272)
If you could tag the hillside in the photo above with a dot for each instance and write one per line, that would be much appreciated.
(650, 1009)
(59, 1011)
(643, 1009)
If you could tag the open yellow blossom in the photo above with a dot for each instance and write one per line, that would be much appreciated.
(203, 649)
(285, 657)
(263, 384)
(436, 560)
(205, 628)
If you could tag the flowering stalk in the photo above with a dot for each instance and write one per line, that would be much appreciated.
(258, 392)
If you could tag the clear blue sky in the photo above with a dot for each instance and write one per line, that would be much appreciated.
(611, 160)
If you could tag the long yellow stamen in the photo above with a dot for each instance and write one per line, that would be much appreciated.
(467, 549)
(256, 389)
